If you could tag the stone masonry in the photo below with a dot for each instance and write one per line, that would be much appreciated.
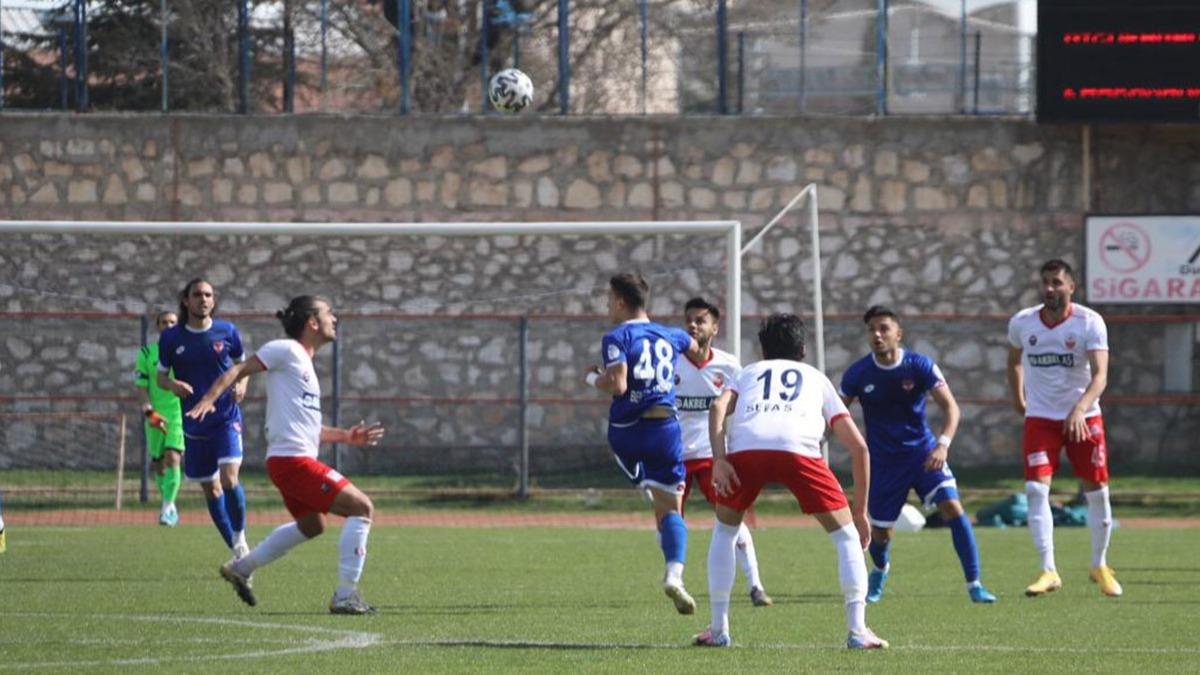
(944, 219)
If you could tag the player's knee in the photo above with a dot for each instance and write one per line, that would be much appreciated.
(364, 507)
(950, 508)
(881, 534)
(311, 527)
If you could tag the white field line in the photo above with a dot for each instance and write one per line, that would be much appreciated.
(346, 639)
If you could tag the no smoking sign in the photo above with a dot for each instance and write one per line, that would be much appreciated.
(1124, 247)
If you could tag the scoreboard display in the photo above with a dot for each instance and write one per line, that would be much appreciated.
(1118, 61)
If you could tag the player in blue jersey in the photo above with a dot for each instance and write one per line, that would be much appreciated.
(892, 383)
(198, 351)
(643, 425)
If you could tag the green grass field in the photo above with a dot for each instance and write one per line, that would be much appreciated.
(141, 599)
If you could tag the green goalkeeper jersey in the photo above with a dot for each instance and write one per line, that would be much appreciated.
(146, 377)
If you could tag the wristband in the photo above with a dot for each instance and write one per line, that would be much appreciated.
(944, 440)
(591, 379)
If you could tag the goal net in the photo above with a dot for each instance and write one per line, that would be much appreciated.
(467, 341)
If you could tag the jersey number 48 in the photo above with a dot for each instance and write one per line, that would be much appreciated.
(658, 366)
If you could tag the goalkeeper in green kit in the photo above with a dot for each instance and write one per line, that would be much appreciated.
(164, 423)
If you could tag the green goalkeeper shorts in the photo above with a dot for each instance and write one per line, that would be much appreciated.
(157, 441)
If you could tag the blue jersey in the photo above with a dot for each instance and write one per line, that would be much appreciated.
(893, 402)
(650, 351)
(200, 358)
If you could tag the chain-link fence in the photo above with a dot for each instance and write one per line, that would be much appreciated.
(851, 57)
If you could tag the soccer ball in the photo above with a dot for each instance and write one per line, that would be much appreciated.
(510, 90)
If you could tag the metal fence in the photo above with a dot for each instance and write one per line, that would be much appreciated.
(854, 57)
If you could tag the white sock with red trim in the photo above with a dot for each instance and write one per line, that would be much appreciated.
(281, 540)
(352, 553)
(1100, 523)
(747, 558)
(1041, 522)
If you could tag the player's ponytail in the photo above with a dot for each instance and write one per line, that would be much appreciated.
(296, 315)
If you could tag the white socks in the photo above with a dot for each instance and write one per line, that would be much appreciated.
(281, 540)
(352, 552)
(852, 573)
(746, 558)
(720, 573)
(674, 573)
(1041, 522)
(1100, 523)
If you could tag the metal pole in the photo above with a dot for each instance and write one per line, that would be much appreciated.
(64, 90)
(741, 71)
(144, 485)
(243, 57)
(722, 59)
(336, 403)
(289, 58)
(733, 288)
(324, 46)
(564, 56)
(523, 432)
(517, 48)
(881, 31)
(818, 303)
(1, 55)
(81, 92)
(486, 27)
(978, 51)
(645, 16)
(164, 55)
(405, 21)
(962, 56)
(803, 50)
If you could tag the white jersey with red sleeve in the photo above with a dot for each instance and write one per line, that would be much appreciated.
(783, 405)
(293, 400)
(1055, 358)
(697, 385)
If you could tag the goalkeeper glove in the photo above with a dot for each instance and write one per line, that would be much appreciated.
(156, 420)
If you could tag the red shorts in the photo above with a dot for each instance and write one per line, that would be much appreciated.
(307, 485)
(1045, 438)
(699, 470)
(810, 480)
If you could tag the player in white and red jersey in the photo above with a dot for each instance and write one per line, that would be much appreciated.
(1057, 369)
(310, 489)
(697, 384)
(781, 409)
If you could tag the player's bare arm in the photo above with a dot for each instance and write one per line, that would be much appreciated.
(207, 403)
(1075, 425)
(725, 478)
(951, 415)
(610, 380)
(178, 387)
(848, 435)
(1016, 378)
(359, 434)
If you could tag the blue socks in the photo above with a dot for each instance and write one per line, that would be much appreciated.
(964, 545)
(235, 506)
(220, 518)
(880, 552)
(674, 537)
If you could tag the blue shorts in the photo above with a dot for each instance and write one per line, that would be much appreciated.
(206, 453)
(893, 477)
(650, 452)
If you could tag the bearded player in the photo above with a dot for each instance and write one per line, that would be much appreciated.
(699, 381)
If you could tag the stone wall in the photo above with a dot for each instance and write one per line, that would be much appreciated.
(945, 218)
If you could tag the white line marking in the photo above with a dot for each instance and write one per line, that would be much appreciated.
(348, 639)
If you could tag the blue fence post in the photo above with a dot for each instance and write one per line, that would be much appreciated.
(404, 50)
(645, 16)
(81, 89)
(722, 58)
(564, 56)
(881, 58)
(803, 50)
(243, 56)
(741, 71)
(962, 57)
(64, 90)
(1, 56)
(324, 46)
(485, 106)
(163, 57)
(289, 60)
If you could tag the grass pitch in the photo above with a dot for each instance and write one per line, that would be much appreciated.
(148, 599)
